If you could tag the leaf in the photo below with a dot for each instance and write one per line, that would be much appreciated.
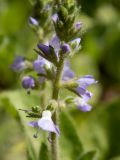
(68, 129)
(12, 101)
(31, 155)
(88, 156)
(10, 108)
(44, 152)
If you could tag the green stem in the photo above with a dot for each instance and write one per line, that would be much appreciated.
(54, 140)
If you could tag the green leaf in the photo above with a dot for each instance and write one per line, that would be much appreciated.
(31, 155)
(69, 132)
(5, 101)
(12, 101)
(44, 152)
(88, 156)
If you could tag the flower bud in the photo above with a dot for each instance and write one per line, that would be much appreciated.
(55, 17)
(33, 21)
(65, 48)
(28, 82)
(78, 25)
(44, 48)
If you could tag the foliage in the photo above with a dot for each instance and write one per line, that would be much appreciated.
(91, 134)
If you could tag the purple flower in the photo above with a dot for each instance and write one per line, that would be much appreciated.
(86, 81)
(28, 82)
(55, 17)
(83, 83)
(67, 72)
(39, 64)
(82, 105)
(45, 123)
(18, 64)
(65, 48)
(78, 25)
(85, 94)
(33, 21)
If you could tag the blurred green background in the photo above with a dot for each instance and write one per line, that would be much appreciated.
(98, 130)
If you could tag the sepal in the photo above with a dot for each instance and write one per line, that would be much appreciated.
(62, 13)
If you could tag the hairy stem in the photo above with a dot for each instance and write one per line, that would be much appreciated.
(54, 140)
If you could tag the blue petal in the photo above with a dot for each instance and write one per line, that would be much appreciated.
(39, 65)
(48, 125)
(86, 81)
(84, 108)
(55, 43)
(67, 72)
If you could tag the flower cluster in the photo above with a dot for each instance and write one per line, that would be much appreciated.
(52, 64)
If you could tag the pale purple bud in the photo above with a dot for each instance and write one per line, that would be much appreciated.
(55, 17)
(78, 25)
(65, 48)
(33, 21)
(28, 82)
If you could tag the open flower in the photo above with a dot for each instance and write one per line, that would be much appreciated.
(45, 123)
(86, 81)
(82, 104)
(83, 83)
(18, 64)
